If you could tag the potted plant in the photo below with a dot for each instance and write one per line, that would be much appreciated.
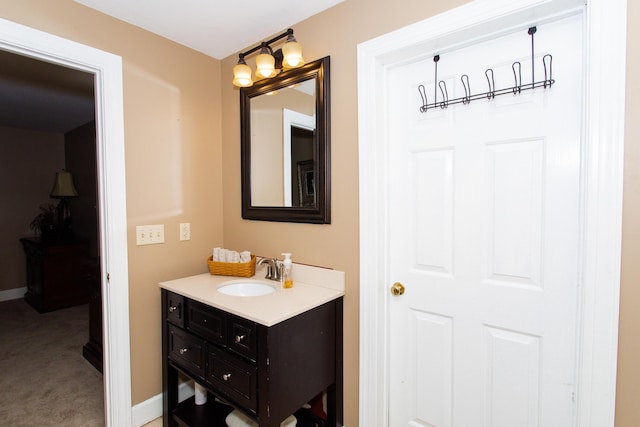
(45, 222)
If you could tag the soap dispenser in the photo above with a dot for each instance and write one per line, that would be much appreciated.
(287, 281)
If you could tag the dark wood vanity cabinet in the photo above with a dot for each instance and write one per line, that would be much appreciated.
(266, 372)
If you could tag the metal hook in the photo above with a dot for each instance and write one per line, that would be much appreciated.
(531, 32)
(517, 88)
(435, 79)
(492, 84)
(445, 94)
(423, 94)
(547, 60)
(467, 89)
(517, 76)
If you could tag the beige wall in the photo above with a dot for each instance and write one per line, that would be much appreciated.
(175, 127)
(29, 161)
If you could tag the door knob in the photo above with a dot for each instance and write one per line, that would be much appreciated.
(397, 289)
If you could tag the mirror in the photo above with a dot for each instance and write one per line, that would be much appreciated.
(284, 138)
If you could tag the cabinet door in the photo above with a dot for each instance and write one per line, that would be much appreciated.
(242, 337)
(175, 309)
(207, 322)
(187, 351)
(233, 377)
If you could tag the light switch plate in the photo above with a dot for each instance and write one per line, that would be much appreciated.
(149, 234)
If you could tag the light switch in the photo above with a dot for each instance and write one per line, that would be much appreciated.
(149, 234)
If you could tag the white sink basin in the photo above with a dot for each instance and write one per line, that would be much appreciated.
(246, 288)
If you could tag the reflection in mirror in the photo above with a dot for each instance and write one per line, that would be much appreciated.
(282, 133)
(299, 176)
(285, 146)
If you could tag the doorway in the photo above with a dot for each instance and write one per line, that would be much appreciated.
(600, 206)
(107, 71)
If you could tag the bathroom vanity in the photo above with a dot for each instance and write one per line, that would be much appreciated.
(265, 355)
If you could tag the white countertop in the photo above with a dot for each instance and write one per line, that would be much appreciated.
(316, 287)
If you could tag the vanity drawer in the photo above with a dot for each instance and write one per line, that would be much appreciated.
(174, 311)
(186, 350)
(207, 322)
(242, 337)
(233, 377)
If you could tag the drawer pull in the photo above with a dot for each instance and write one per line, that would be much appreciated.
(172, 308)
(239, 338)
(183, 350)
(226, 377)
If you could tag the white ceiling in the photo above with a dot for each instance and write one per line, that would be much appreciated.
(46, 97)
(217, 28)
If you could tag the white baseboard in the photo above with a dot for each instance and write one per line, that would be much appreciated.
(10, 294)
(150, 409)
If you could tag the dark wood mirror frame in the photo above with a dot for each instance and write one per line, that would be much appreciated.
(321, 212)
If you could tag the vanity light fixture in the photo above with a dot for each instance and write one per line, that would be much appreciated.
(290, 56)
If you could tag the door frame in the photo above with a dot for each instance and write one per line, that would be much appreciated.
(603, 110)
(107, 69)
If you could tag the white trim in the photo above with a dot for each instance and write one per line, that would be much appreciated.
(112, 190)
(151, 409)
(604, 130)
(146, 411)
(605, 115)
(10, 294)
(291, 119)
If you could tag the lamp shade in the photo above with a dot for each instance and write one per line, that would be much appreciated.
(292, 54)
(63, 185)
(265, 65)
(242, 75)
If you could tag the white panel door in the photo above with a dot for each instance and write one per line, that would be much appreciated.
(484, 235)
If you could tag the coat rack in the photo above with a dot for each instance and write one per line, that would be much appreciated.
(517, 88)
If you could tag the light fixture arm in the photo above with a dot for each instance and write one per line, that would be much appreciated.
(268, 44)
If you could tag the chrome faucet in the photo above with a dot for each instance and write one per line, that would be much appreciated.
(274, 268)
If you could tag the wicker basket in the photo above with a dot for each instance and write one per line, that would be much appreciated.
(240, 269)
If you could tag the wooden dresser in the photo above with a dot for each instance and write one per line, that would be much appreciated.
(55, 273)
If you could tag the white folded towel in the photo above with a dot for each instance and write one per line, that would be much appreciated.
(227, 255)
(245, 256)
(238, 419)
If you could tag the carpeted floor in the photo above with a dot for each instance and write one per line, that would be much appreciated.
(44, 380)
